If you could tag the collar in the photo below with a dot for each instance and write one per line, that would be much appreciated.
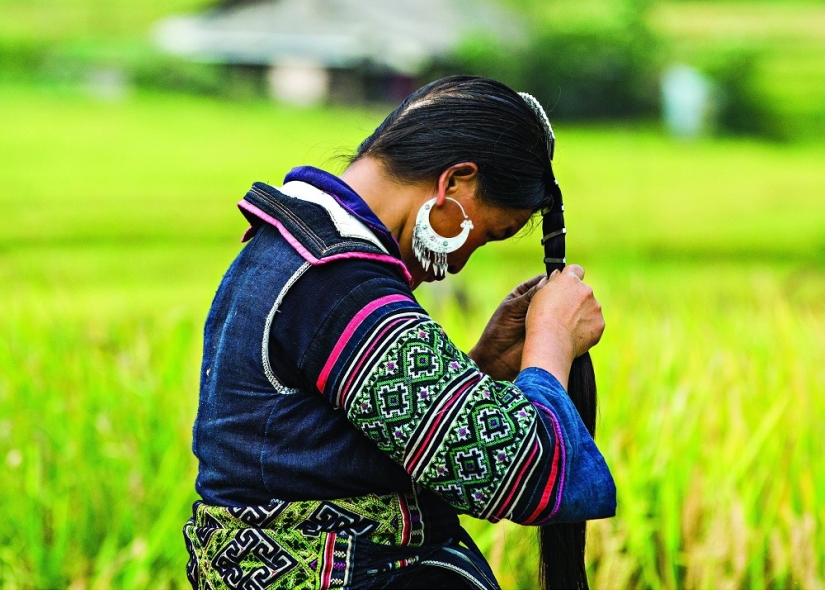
(348, 199)
(345, 222)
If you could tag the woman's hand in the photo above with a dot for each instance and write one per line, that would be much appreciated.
(563, 322)
(499, 349)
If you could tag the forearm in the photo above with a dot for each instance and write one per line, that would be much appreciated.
(585, 488)
(554, 355)
(488, 448)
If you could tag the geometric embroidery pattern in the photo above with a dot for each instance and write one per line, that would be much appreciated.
(425, 403)
(305, 544)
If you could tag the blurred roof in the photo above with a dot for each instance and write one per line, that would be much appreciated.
(399, 34)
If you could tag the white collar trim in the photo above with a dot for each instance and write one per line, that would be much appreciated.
(345, 222)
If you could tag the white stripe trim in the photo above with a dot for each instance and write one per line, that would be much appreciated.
(463, 573)
(345, 222)
(440, 434)
(279, 387)
(506, 485)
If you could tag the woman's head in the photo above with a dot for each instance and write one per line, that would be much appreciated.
(466, 140)
(468, 119)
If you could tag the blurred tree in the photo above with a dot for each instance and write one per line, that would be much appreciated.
(580, 67)
(742, 107)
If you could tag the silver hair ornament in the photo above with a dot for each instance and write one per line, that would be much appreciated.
(430, 247)
(536, 107)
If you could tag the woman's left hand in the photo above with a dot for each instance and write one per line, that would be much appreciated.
(498, 352)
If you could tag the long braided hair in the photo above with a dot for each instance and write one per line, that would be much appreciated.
(561, 546)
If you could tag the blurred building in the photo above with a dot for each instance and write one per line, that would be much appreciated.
(346, 50)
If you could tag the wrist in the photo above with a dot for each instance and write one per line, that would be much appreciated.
(477, 355)
(554, 354)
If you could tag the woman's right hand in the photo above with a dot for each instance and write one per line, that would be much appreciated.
(563, 322)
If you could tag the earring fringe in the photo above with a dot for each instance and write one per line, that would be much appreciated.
(431, 249)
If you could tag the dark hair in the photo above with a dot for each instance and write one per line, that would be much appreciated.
(561, 546)
(468, 119)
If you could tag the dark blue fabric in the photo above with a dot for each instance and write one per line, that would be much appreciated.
(588, 485)
(336, 291)
(307, 222)
(377, 565)
(254, 443)
(348, 199)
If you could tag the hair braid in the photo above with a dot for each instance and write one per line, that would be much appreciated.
(561, 546)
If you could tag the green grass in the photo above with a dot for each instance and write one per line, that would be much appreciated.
(118, 221)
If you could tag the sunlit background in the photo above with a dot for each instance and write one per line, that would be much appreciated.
(690, 152)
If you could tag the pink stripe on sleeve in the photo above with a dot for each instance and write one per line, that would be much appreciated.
(412, 463)
(363, 355)
(350, 330)
(557, 471)
(513, 488)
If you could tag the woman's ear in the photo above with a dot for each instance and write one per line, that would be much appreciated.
(457, 181)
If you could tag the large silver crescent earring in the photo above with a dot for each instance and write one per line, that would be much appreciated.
(429, 246)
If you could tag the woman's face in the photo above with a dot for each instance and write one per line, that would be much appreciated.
(490, 224)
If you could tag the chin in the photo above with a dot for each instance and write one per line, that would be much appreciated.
(428, 277)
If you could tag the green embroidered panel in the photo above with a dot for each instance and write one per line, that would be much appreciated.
(293, 544)
(454, 429)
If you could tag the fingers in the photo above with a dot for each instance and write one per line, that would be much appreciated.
(526, 290)
(570, 305)
(571, 269)
(527, 285)
(528, 296)
(575, 270)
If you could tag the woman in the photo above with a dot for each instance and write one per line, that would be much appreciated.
(339, 430)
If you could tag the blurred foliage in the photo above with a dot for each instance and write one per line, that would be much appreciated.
(579, 68)
(584, 59)
(742, 107)
(59, 21)
(603, 58)
(766, 57)
(137, 64)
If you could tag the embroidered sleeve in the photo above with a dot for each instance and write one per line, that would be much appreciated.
(492, 449)
(489, 448)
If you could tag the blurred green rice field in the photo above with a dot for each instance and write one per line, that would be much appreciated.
(117, 221)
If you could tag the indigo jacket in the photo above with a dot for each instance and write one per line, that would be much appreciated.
(324, 386)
